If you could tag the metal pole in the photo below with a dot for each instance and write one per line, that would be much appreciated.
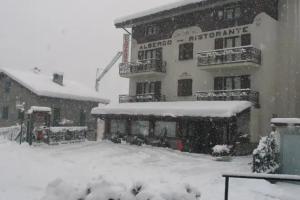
(226, 187)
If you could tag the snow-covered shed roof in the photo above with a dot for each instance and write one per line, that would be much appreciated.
(220, 109)
(42, 84)
(171, 9)
(288, 121)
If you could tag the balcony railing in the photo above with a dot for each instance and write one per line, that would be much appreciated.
(142, 67)
(230, 95)
(233, 55)
(150, 97)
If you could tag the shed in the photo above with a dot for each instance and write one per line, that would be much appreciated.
(289, 129)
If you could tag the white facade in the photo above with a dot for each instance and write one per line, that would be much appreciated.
(276, 78)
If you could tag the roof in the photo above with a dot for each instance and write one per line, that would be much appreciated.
(38, 109)
(42, 85)
(284, 121)
(220, 109)
(171, 9)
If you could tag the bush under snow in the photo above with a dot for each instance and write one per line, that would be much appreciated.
(106, 190)
(265, 157)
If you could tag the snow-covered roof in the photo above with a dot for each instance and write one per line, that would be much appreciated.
(178, 108)
(42, 85)
(156, 10)
(285, 121)
(38, 109)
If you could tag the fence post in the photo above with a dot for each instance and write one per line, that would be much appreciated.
(226, 187)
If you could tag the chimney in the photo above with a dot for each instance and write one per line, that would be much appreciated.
(58, 78)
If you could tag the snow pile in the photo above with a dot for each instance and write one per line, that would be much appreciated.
(179, 108)
(221, 149)
(289, 121)
(152, 11)
(63, 129)
(265, 156)
(42, 85)
(38, 109)
(10, 133)
(108, 190)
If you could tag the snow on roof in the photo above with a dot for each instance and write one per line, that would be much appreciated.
(38, 109)
(285, 121)
(178, 108)
(152, 11)
(42, 85)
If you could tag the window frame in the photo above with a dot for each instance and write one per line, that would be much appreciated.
(185, 87)
(186, 51)
(5, 113)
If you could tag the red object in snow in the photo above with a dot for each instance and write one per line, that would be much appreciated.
(40, 135)
(179, 145)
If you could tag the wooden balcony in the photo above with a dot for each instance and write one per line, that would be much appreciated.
(150, 97)
(230, 95)
(237, 57)
(142, 67)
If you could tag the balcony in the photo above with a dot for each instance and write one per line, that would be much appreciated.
(230, 95)
(142, 67)
(237, 57)
(150, 97)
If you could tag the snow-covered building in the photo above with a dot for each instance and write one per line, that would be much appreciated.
(70, 101)
(211, 50)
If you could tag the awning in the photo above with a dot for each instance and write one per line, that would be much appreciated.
(220, 109)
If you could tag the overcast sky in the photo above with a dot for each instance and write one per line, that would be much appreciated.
(71, 36)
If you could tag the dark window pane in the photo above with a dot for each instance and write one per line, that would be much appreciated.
(185, 87)
(186, 51)
(5, 112)
(246, 39)
(56, 116)
(219, 43)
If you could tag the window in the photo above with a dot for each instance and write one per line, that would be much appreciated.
(56, 116)
(140, 128)
(82, 118)
(236, 41)
(186, 51)
(7, 86)
(150, 54)
(163, 129)
(232, 13)
(246, 39)
(118, 127)
(152, 30)
(185, 87)
(148, 88)
(5, 112)
(233, 82)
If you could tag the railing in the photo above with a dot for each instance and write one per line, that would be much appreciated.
(269, 177)
(142, 66)
(230, 56)
(229, 95)
(150, 97)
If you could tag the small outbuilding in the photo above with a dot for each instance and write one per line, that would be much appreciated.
(70, 102)
(289, 130)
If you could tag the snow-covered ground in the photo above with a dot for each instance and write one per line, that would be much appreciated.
(65, 172)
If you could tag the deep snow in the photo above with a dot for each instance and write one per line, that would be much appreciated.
(34, 173)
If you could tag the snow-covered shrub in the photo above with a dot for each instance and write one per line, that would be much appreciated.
(220, 150)
(265, 155)
(108, 190)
